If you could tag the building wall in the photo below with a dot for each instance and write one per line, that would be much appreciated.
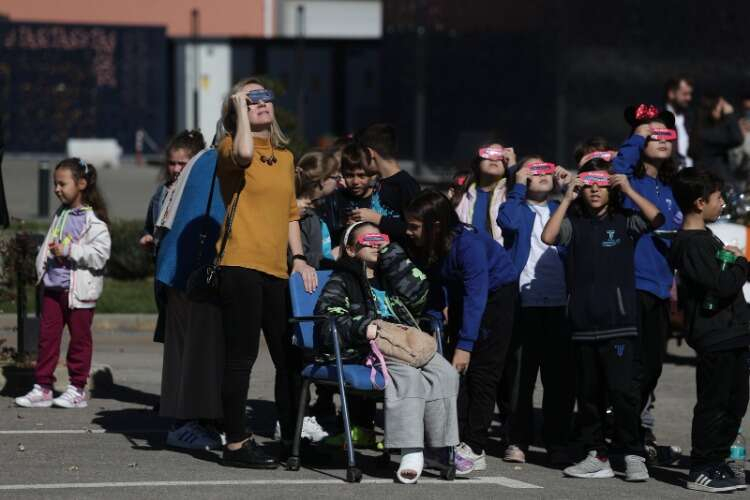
(331, 18)
(217, 17)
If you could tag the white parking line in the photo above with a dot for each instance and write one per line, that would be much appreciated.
(478, 481)
(85, 431)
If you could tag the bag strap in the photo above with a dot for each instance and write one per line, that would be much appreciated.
(207, 221)
(206, 216)
(376, 358)
(228, 228)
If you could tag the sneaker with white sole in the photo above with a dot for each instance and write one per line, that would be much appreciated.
(71, 398)
(38, 397)
(591, 467)
(311, 430)
(467, 461)
(635, 468)
(711, 479)
(193, 436)
(514, 454)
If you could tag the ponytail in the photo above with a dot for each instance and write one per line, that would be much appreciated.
(91, 195)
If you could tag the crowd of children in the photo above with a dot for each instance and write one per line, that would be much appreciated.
(532, 268)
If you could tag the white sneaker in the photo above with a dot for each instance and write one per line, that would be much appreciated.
(590, 467)
(312, 430)
(467, 461)
(38, 397)
(193, 436)
(71, 398)
(635, 468)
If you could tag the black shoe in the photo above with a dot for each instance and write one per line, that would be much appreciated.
(712, 479)
(250, 456)
(739, 483)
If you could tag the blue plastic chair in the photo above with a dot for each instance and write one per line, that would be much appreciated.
(348, 378)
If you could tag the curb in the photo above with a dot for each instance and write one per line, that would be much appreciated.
(103, 323)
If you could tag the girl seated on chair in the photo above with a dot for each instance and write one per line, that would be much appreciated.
(374, 280)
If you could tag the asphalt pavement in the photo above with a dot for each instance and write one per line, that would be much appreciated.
(115, 448)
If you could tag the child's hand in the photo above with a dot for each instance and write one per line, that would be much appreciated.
(366, 215)
(461, 360)
(574, 188)
(562, 176)
(522, 175)
(372, 331)
(643, 130)
(57, 249)
(146, 241)
(621, 181)
(736, 251)
(509, 156)
(303, 204)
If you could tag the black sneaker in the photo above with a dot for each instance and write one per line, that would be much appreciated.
(250, 456)
(739, 483)
(712, 479)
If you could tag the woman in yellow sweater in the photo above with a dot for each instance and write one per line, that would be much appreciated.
(257, 171)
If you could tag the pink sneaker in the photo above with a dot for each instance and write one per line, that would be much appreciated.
(38, 397)
(71, 398)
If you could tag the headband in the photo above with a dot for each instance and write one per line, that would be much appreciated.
(604, 155)
(351, 228)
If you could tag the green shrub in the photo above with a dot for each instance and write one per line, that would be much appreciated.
(128, 260)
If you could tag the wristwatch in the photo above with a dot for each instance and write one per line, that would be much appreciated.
(299, 256)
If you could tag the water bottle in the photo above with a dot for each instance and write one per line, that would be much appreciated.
(737, 457)
(726, 258)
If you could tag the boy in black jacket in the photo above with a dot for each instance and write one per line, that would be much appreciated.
(710, 278)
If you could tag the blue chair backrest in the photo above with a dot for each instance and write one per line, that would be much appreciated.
(303, 304)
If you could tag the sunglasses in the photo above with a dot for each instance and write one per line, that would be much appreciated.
(256, 96)
(492, 153)
(373, 240)
(663, 134)
(595, 178)
(541, 168)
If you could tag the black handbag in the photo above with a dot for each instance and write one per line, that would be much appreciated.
(203, 282)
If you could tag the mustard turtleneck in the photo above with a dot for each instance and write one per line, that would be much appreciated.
(267, 203)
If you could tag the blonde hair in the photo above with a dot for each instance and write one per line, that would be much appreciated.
(229, 115)
(312, 169)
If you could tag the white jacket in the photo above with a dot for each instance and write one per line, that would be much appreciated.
(89, 253)
(465, 208)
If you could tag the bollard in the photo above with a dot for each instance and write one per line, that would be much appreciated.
(43, 189)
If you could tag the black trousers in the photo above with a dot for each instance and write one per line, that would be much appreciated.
(545, 347)
(250, 301)
(722, 383)
(478, 389)
(653, 331)
(605, 373)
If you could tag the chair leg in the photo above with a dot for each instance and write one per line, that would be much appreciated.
(293, 462)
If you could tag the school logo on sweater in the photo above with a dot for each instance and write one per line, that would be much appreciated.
(610, 241)
(620, 350)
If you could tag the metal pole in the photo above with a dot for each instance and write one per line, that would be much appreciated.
(43, 189)
(21, 243)
(420, 100)
(194, 24)
(300, 71)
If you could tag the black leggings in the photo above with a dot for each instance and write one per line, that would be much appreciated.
(251, 300)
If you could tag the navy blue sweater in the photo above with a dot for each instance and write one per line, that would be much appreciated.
(475, 266)
(653, 272)
(516, 220)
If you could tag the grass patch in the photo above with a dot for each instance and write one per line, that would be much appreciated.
(119, 296)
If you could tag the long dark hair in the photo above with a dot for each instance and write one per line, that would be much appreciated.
(439, 221)
(615, 195)
(79, 169)
(667, 170)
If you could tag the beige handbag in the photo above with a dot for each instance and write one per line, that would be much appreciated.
(403, 343)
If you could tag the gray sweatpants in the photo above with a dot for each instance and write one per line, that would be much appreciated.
(420, 405)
